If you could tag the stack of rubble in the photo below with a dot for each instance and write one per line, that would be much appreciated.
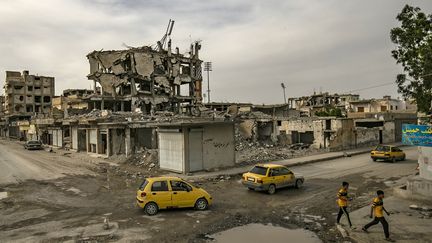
(146, 159)
(250, 152)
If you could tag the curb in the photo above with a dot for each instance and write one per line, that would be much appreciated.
(221, 173)
(328, 158)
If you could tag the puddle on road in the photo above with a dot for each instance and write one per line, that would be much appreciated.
(3, 195)
(264, 233)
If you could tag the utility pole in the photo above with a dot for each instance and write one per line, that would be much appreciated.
(283, 88)
(208, 68)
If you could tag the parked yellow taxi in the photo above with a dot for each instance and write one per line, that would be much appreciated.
(269, 177)
(170, 192)
(388, 153)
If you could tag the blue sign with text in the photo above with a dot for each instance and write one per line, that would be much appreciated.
(418, 135)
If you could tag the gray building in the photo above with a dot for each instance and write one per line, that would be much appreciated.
(195, 146)
(27, 94)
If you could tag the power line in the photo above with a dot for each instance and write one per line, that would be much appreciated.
(371, 87)
(385, 84)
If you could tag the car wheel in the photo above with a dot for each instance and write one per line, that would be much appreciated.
(403, 158)
(299, 184)
(374, 159)
(201, 204)
(250, 188)
(151, 208)
(272, 189)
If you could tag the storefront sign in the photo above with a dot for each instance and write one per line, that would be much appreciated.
(418, 135)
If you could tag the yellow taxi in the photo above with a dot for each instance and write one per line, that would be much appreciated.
(387, 152)
(170, 192)
(269, 177)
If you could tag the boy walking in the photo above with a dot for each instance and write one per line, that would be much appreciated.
(343, 203)
(377, 209)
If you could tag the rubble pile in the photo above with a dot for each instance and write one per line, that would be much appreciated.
(147, 159)
(259, 153)
(249, 152)
(253, 115)
(158, 116)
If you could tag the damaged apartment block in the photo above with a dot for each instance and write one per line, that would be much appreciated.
(147, 79)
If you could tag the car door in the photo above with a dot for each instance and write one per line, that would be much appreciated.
(160, 194)
(288, 176)
(276, 177)
(182, 195)
(398, 153)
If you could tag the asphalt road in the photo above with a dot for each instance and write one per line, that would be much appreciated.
(361, 164)
(74, 207)
(18, 164)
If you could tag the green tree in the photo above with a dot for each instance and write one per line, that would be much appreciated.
(413, 51)
(329, 111)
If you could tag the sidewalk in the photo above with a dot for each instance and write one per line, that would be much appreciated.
(288, 162)
(406, 225)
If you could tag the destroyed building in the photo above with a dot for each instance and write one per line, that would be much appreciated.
(26, 96)
(2, 100)
(309, 105)
(147, 79)
(72, 100)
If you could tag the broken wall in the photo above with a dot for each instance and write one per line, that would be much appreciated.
(117, 141)
(247, 129)
(144, 138)
(388, 132)
(342, 134)
(367, 136)
(302, 129)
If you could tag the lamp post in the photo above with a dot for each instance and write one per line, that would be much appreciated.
(283, 88)
(208, 68)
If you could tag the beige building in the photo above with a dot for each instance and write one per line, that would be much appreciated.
(337, 133)
(27, 94)
(72, 99)
(2, 100)
(378, 105)
(309, 105)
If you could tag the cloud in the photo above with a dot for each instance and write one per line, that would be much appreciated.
(254, 45)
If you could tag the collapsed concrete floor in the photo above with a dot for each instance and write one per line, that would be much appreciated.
(74, 207)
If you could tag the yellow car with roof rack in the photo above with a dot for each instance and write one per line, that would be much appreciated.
(269, 177)
(157, 193)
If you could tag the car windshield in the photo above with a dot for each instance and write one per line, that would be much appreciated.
(33, 142)
(383, 148)
(191, 184)
(259, 170)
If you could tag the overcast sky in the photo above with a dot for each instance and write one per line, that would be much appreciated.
(332, 45)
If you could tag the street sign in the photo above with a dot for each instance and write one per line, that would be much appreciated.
(418, 135)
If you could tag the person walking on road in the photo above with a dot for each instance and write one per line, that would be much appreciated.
(342, 202)
(377, 209)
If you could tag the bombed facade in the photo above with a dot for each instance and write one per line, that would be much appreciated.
(147, 80)
(72, 100)
(2, 101)
(28, 94)
(310, 105)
